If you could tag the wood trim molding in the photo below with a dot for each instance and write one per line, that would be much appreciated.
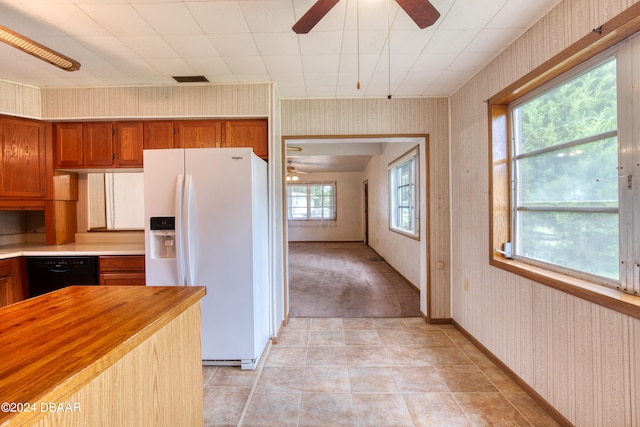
(609, 34)
(598, 40)
(553, 412)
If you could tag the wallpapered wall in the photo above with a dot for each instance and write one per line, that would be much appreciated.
(580, 357)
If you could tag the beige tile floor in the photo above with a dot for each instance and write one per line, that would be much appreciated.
(368, 372)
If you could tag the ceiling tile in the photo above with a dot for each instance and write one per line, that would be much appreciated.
(320, 43)
(247, 65)
(169, 18)
(471, 14)
(268, 16)
(277, 44)
(282, 64)
(219, 17)
(492, 40)
(450, 41)
(149, 47)
(192, 46)
(521, 13)
(235, 45)
(118, 19)
(316, 64)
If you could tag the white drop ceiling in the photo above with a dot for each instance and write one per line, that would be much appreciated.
(145, 42)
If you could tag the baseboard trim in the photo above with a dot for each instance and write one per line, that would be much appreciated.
(276, 337)
(439, 321)
(552, 411)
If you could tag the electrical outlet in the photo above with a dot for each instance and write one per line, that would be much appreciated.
(466, 284)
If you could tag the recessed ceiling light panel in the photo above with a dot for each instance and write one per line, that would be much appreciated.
(34, 48)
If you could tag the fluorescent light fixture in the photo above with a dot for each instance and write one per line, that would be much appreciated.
(36, 49)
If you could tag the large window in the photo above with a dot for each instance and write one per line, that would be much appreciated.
(565, 173)
(311, 201)
(403, 194)
(565, 162)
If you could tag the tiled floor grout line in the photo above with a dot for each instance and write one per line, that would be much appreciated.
(391, 360)
(260, 367)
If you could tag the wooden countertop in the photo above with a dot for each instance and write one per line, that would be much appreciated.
(54, 344)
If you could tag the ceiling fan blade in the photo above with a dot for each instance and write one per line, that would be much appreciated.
(422, 12)
(313, 16)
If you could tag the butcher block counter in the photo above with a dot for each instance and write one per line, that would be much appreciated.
(102, 355)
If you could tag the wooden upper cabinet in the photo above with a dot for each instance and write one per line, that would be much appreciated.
(68, 144)
(127, 144)
(97, 144)
(198, 134)
(248, 133)
(158, 135)
(23, 171)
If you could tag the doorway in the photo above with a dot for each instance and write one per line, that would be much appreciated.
(358, 168)
(366, 212)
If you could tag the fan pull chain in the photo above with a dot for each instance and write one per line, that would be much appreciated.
(389, 44)
(358, 39)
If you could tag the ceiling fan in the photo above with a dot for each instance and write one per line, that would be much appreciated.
(422, 12)
(292, 172)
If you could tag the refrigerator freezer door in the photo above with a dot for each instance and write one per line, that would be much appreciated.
(161, 171)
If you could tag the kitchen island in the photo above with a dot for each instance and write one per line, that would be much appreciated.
(102, 355)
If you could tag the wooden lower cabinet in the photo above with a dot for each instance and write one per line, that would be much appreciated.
(10, 281)
(121, 270)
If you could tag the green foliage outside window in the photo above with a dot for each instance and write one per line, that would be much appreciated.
(566, 159)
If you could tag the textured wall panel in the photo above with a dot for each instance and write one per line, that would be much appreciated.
(241, 100)
(19, 100)
(362, 116)
(579, 356)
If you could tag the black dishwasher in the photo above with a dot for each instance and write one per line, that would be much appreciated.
(46, 274)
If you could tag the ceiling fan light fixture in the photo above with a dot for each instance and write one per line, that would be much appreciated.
(34, 48)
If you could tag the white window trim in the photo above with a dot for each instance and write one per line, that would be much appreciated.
(414, 154)
(307, 185)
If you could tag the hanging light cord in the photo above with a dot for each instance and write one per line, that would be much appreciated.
(389, 44)
(358, 39)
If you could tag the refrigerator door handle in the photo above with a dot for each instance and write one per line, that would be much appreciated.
(189, 251)
(179, 231)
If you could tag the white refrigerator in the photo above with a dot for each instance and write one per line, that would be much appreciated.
(207, 225)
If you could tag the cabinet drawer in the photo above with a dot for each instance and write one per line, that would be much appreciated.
(121, 263)
(123, 279)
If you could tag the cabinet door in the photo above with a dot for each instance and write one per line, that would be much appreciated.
(68, 148)
(22, 159)
(6, 291)
(198, 134)
(10, 283)
(127, 144)
(97, 141)
(247, 133)
(158, 135)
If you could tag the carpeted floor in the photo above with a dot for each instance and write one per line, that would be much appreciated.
(346, 280)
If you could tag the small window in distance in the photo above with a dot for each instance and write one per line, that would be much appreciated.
(311, 201)
(404, 194)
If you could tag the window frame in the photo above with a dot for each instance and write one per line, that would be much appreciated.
(594, 43)
(412, 155)
(567, 77)
(308, 185)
